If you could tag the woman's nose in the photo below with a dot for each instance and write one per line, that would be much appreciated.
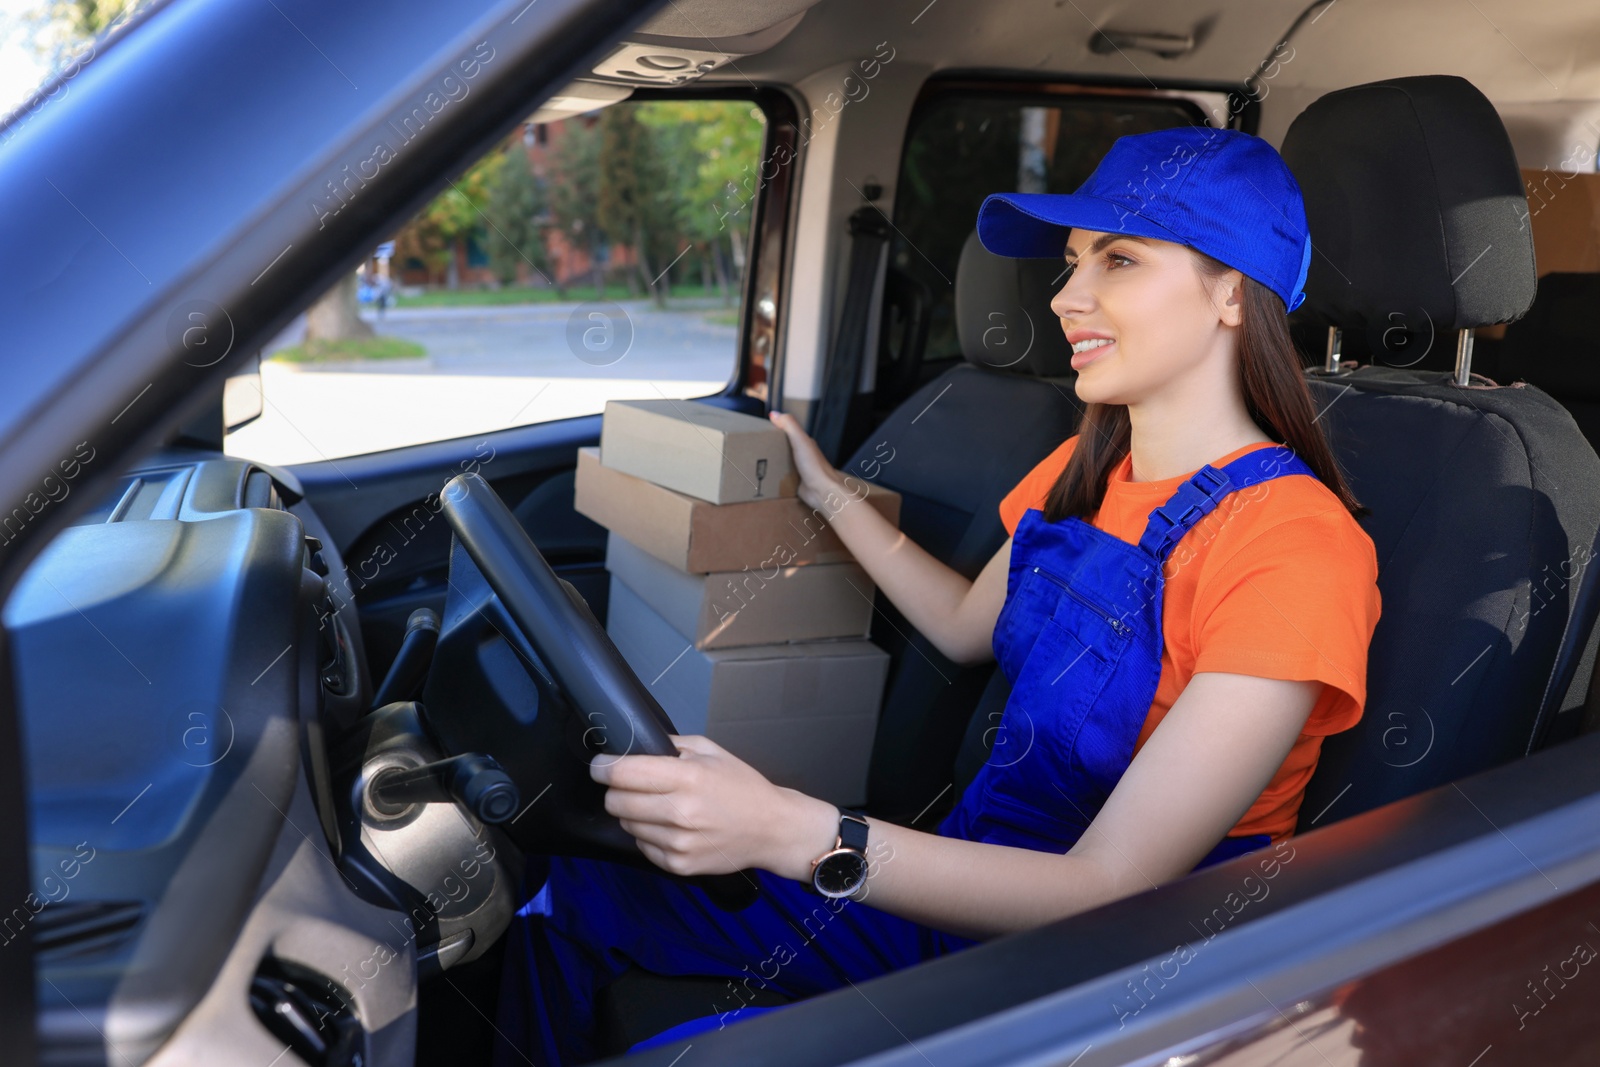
(1073, 298)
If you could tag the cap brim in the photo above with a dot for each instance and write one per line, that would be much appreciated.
(1035, 225)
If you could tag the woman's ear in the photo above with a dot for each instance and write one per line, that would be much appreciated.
(1230, 288)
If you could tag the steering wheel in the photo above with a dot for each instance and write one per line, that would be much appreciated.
(597, 682)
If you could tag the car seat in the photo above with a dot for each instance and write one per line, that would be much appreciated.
(1485, 499)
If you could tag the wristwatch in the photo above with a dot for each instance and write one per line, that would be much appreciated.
(841, 870)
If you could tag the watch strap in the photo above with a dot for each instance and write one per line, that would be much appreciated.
(852, 830)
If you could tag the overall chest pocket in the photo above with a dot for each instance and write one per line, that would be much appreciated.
(1040, 595)
(1070, 600)
(1056, 689)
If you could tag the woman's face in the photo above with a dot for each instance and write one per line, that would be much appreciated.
(1167, 322)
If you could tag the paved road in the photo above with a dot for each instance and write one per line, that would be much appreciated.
(627, 340)
(486, 369)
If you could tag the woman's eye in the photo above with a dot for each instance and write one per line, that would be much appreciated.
(1118, 255)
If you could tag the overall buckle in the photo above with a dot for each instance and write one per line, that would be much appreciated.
(1208, 482)
(1214, 477)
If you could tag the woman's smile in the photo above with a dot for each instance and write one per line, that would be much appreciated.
(1084, 356)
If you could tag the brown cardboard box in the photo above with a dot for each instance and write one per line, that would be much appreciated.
(711, 453)
(1564, 211)
(695, 536)
(803, 714)
(725, 609)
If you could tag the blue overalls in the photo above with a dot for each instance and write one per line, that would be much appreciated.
(1079, 638)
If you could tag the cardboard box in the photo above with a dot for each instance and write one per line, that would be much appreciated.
(804, 714)
(725, 609)
(1564, 210)
(698, 537)
(711, 453)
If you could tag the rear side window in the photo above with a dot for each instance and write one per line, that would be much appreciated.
(964, 144)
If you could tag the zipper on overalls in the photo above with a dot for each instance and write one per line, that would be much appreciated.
(1120, 627)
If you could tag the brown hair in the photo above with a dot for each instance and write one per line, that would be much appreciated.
(1275, 394)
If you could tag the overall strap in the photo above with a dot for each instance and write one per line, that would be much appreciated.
(1195, 498)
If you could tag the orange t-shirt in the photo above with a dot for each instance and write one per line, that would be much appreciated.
(1281, 584)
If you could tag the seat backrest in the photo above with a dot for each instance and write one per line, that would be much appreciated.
(952, 450)
(1485, 500)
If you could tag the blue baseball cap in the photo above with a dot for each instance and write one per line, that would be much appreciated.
(1226, 193)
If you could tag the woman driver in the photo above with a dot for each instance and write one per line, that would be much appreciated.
(1183, 610)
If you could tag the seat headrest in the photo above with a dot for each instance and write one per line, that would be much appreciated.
(1003, 315)
(1416, 207)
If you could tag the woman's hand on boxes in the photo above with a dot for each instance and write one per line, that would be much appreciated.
(818, 477)
(706, 811)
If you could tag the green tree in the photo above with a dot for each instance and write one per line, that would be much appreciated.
(85, 18)
(575, 174)
(677, 174)
(519, 210)
(438, 232)
(433, 235)
(61, 30)
(635, 199)
(720, 142)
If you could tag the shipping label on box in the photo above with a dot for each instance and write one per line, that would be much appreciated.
(803, 714)
(699, 537)
(725, 609)
(707, 452)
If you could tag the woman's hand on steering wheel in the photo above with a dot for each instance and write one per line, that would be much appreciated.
(706, 811)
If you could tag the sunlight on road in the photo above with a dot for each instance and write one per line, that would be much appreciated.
(485, 369)
(338, 414)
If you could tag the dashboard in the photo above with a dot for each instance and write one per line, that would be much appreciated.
(194, 702)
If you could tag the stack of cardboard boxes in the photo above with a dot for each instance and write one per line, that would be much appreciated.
(733, 600)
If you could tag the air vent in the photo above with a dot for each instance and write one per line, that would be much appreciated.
(81, 928)
(309, 1012)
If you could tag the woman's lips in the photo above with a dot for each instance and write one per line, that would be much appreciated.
(1080, 359)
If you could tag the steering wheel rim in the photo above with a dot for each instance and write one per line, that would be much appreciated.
(571, 643)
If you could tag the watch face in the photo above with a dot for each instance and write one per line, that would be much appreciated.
(840, 873)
